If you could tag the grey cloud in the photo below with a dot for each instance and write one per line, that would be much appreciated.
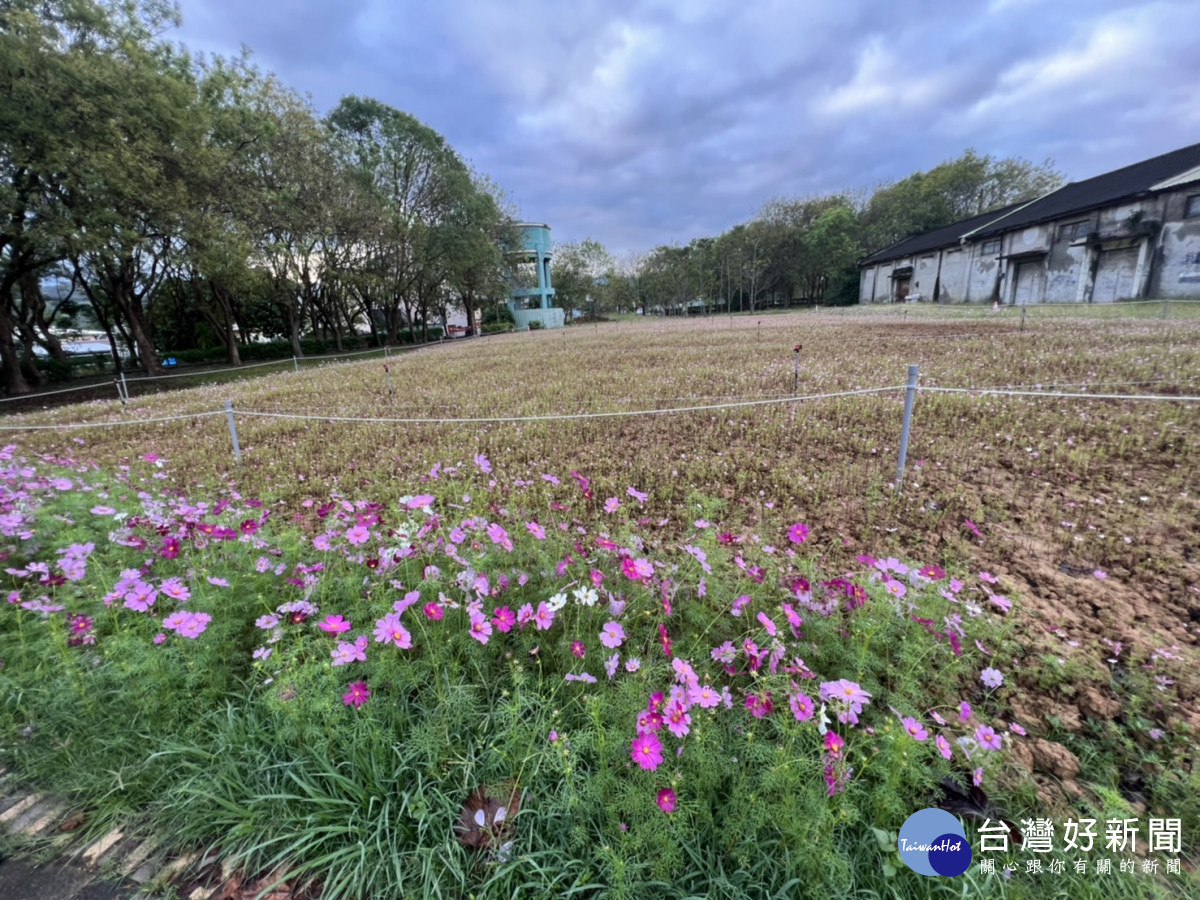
(641, 123)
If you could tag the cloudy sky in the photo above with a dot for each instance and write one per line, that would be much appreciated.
(645, 122)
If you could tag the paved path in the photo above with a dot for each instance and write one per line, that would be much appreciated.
(23, 880)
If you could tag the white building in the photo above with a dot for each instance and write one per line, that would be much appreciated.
(1128, 234)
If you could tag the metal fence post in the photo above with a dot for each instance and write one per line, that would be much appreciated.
(910, 394)
(237, 450)
(1022, 318)
(796, 373)
(124, 387)
(295, 366)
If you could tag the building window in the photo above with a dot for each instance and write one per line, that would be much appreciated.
(990, 247)
(1074, 231)
(1192, 207)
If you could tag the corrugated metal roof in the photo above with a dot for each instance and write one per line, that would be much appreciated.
(938, 237)
(1103, 190)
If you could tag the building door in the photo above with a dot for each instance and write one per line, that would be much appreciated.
(901, 288)
(1114, 275)
(1030, 283)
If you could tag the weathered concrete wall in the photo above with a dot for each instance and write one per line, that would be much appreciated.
(1178, 264)
(925, 273)
(952, 282)
(983, 275)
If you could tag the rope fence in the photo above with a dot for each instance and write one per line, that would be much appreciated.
(910, 389)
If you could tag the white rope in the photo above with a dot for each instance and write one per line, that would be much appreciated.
(563, 416)
(83, 387)
(200, 374)
(1008, 393)
(75, 425)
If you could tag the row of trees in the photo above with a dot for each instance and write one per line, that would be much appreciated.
(795, 249)
(179, 200)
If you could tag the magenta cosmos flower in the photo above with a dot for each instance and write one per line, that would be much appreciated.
(646, 750)
(666, 800)
(504, 619)
(357, 695)
(798, 533)
(334, 624)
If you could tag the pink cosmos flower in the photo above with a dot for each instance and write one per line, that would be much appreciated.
(578, 649)
(964, 711)
(798, 533)
(759, 706)
(664, 640)
(174, 620)
(705, 696)
(977, 777)
(612, 635)
(991, 677)
(525, 615)
(357, 695)
(433, 611)
(802, 706)
(193, 626)
(766, 623)
(544, 617)
(359, 534)
(678, 720)
(636, 495)
(388, 630)
(666, 800)
(409, 599)
(988, 739)
(1016, 729)
(499, 536)
(914, 728)
(833, 744)
(536, 530)
(482, 462)
(646, 750)
(611, 664)
(943, 746)
(175, 589)
(334, 624)
(611, 505)
(347, 653)
(481, 629)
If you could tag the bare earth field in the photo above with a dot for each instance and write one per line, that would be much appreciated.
(1085, 509)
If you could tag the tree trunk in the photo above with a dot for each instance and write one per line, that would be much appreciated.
(10, 365)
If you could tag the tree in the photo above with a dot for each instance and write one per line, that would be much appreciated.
(583, 276)
(954, 190)
(87, 103)
(417, 184)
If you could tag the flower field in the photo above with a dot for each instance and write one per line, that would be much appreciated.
(710, 652)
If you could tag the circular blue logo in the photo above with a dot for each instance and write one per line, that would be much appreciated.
(932, 842)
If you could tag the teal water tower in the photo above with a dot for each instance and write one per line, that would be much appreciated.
(534, 303)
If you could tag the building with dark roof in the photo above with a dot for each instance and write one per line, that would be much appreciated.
(1127, 234)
